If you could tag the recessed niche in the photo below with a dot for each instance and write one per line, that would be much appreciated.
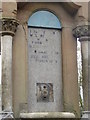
(44, 92)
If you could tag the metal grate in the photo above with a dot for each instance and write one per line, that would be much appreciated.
(4, 114)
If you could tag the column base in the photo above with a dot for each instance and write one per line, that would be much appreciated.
(86, 114)
(42, 115)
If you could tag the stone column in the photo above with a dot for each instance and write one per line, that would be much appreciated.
(84, 48)
(89, 78)
(83, 34)
(8, 30)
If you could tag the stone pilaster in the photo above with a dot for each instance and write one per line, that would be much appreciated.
(83, 33)
(8, 29)
(70, 76)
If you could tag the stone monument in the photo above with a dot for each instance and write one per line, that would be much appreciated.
(39, 63)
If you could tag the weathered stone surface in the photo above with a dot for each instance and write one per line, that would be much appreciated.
(6, 51)
(44, 56)
(47, 115)
(69, 66)
(86, 114)
(81, 31)
(84, 47)
(8, 26)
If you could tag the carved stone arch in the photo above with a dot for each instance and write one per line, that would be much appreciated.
(70, 8)
(40, 8)
(69, 5)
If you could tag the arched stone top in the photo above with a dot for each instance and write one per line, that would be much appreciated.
(59, 9)
(44, 19)
(70, 6)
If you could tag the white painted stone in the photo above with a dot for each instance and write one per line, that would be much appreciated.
(45, 66)
(6, 58)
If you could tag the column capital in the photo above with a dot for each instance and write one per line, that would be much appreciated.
(8, 26)
(82, 32)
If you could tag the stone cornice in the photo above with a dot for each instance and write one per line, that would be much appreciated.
(8, 26)
(81, 31)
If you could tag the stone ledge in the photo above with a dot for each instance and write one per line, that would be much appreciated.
(40, 115)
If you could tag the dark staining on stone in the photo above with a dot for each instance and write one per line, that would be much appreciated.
(43, 52)
(35, 35)
(37, 42)
(34, 31)
(46, 60)
(30, 31)
(32, 41)
(31, 34)
(57, 53)
(40, 52)
(40, 42)
(3, 107)
(33, 56)
(41, 60)
(53, 32)
(38, 39)
(44, 56)
(41, 35)
(43, 32)
(56, 61)
(36, 60)
(30, 46)
(4, 75)
(35, 51)
(46, 40)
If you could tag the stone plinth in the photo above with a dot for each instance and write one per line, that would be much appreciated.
(43, 115)
(86, 114)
